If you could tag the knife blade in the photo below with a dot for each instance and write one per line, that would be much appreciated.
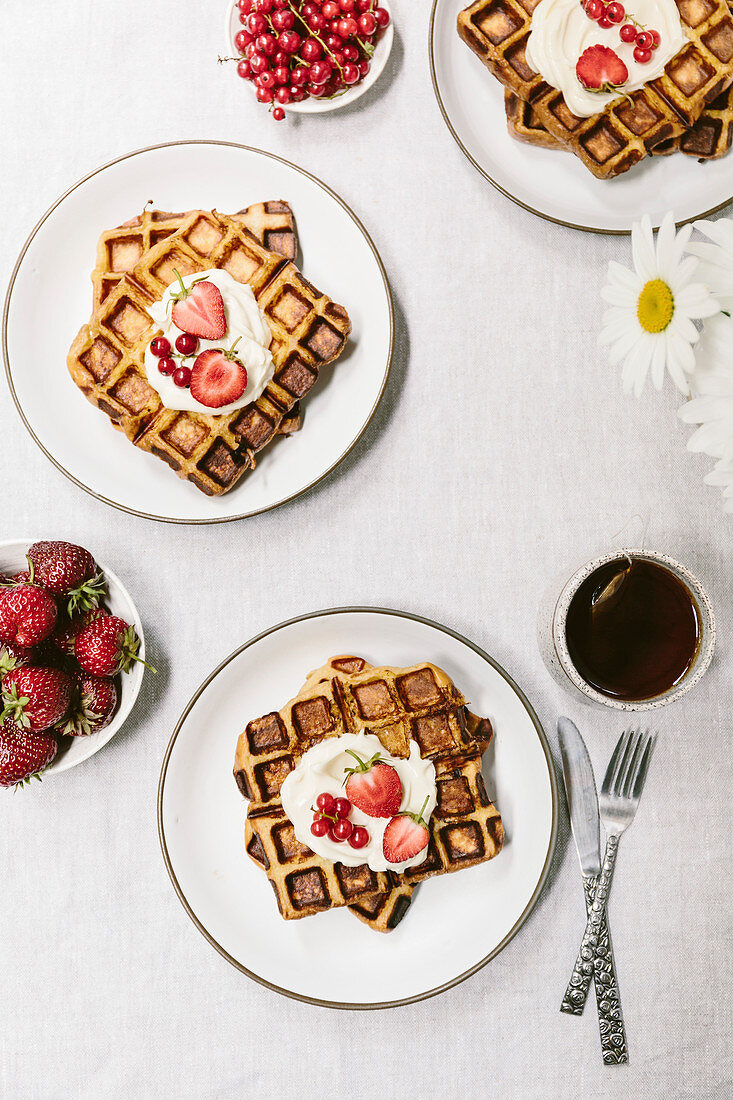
(580, 789)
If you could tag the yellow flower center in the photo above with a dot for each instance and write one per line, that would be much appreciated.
(655, 308)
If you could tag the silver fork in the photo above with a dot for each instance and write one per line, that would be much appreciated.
(619, 801)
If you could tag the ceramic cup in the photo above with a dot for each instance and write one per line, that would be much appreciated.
(552, 640)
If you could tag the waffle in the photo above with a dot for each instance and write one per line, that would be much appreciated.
(627, 129)
(395, 704)
(347, 695)
(120, 249)
(106, 359)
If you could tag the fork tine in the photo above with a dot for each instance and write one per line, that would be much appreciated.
(644, 766)
(623, 771)
(634, 764)
(612, 769)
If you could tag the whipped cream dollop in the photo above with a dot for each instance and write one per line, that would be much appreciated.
(245, 322)
(322, 769)
(561, 31)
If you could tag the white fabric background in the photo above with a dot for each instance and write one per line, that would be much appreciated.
(503, 452)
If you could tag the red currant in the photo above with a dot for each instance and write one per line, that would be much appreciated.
(350, 52)
(316, 22)
(283, 20)
(320, 71)
(364, 68)
(160, 347)
(244, 69)
(642, 55)
(166, 366)
(656, 39)
(280, 5)
(299, 75)
(347, 5)
(644, 40)
(593, 9)
(341, 829)
(182, 377)
(347, 28)
(289, 41)
(367, 23)
(278, 114)
(258, 64)
(334, 41)
(342, 807)
(605, 22)
(359, 838)
(312, 50)
(320, 826)
(628, 33)
(616, 12)
(241, 40)
(245, 6)
(266, 44)
(364, 5)
(186, 343)
(282, 95)
(266, 79)
(256, 24)
(382, 17)
(264, 95)
(325, 802)
(265, 6)
(350, 73)
(330, 10)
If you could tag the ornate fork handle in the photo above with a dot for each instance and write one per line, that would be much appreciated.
(577, 990)
(602, 969)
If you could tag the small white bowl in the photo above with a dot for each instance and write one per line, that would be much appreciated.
(12, 560)
(311, 105)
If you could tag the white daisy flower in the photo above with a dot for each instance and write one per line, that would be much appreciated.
(712, 404)
(650, 323)
(716, 259)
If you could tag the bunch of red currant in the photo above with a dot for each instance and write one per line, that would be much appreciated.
(186, 345)
(609, 15)
(331, 816)
(292, 49)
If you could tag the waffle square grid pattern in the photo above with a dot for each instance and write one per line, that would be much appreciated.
(348, 695)
(629, 128)
(107, 357)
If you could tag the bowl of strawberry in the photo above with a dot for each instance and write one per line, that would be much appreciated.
(309, 56)
(72, 657)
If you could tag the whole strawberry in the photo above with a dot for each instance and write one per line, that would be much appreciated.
(92, 707)
(23, 754)
(68, 626)
(35, 698)
(106, 646)
(27, 615)
(67, 571)
(14, 656)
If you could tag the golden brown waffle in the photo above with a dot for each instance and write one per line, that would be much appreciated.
(347, 695)
(395, 704)
(613, 140)
(106, 359)
(524, 124)
(711, 136)
(120, 249)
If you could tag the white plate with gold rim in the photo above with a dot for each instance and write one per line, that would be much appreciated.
(332, 958)
(336, 255)
(549, 182)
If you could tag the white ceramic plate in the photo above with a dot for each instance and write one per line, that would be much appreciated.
(548, 182)
(332, 958)
(337, 256)
(313, 106)
(119, 601)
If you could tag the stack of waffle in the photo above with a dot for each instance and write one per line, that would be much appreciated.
(688, 109)
(396, 704)
(135, 265)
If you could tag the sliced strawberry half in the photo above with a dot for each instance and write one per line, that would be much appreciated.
(374, 786)
(199, 309)
(218, 377)
(406, 836)
(600, 69)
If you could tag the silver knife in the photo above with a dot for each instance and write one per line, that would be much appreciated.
(580, 789)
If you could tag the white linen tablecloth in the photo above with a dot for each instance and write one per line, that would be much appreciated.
(503, 451)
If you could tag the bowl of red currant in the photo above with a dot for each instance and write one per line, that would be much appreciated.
(309, 56)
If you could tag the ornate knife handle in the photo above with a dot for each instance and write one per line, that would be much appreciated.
(610, 1020)
(596, 927)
